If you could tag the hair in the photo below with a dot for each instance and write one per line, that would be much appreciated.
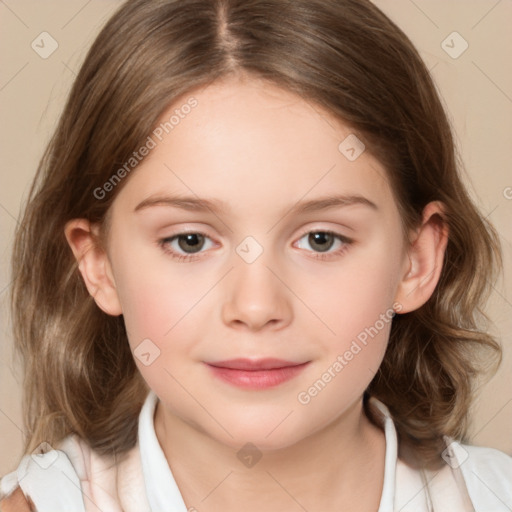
(345, 57)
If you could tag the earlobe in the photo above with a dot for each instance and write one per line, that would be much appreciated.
(425, 256)
(93, 264)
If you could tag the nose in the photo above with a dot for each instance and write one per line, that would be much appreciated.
(256, 297)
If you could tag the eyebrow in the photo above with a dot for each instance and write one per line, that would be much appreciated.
(197, 204)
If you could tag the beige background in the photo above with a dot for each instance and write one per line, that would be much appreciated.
(476, 87)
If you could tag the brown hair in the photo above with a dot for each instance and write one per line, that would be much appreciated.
(344, 56)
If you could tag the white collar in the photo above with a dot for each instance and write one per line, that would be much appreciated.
(161, 488)
(163, 492)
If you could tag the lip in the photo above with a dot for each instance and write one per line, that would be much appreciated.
(254, 364)
(256, 373)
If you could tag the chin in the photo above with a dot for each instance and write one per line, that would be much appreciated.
(265, 435)
(259, 441)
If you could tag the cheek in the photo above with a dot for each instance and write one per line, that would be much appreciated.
(353, 295)
(160, 312)
(160, 305)
(348, 361)
(158, 308)
(356, 308)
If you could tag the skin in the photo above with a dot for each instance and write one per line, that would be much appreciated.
(16, 502)
(261, 149)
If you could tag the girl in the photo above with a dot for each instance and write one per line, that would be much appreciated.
(248, 274)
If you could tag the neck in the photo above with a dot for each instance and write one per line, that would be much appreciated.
(338, 467)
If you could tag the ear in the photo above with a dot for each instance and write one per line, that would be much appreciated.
(93, 263)
(425, 255)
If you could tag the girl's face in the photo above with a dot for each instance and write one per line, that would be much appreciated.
(251, 173)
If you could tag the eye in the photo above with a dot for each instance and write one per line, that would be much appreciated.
(323, 241)
(189, 246)
(190, 243)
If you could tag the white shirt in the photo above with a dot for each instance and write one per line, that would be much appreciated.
(74, 478)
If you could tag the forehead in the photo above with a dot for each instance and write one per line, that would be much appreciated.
(251, 144)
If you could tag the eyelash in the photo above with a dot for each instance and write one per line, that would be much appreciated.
(164, 242)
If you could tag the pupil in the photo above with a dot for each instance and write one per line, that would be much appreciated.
(321, 238)
(192, 240)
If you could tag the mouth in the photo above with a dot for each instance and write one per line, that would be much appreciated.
(256, 373)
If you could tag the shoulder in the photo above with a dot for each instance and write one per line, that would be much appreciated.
(487, 473)
(60, 479)
(487, 463)
(16, 502)
(51, 479)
